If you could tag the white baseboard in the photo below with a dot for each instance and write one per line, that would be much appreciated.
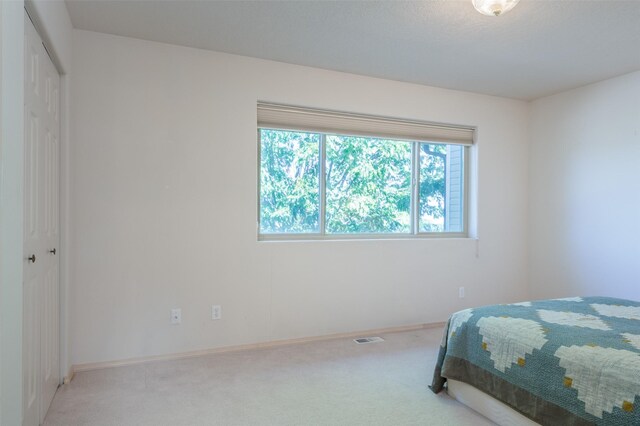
(67, 379)
(181, 355)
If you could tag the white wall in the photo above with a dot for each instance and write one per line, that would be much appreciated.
(163, 189)
(11, 172)
(585, 191)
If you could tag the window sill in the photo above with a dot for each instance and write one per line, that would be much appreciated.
(363, 237)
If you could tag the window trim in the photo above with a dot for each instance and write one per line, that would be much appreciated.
(314, 236)
(414, 232)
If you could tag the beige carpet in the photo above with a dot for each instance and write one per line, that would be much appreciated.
(334, 382)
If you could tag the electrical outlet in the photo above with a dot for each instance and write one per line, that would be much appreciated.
(461, 292)
(216, 312)
(176, 316)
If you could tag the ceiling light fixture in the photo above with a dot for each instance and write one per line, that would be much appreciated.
(494, 7)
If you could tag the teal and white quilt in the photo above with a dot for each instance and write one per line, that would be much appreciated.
(566, 361)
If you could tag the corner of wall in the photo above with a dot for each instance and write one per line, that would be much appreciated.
(54, 25)
(528, 231)
(583, 152)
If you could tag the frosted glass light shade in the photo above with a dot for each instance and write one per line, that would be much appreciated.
(494, 7)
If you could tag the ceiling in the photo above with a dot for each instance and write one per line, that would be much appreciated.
(538, 48)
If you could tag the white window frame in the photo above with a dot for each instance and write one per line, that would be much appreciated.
(414, 231)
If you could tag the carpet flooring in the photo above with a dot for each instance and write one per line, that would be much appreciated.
(330, 382)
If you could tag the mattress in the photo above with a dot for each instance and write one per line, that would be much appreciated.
(489, 407)
(567, 361)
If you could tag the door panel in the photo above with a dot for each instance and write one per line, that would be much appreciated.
(49, 339)
(31, 176)
(31, 355)
(50, 324)
(41, 333)
(32, 271)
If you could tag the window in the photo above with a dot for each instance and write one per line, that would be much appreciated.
(368, 185)
(315, 182)
(289, 182)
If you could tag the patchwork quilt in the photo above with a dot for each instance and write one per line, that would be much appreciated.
(570, 361)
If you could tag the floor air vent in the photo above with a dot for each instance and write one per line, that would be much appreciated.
(363, 340)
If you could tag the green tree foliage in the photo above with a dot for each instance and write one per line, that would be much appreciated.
(289, 185)
(432, 187)
(368, 184)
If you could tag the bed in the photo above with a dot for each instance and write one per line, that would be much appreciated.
(572, 361)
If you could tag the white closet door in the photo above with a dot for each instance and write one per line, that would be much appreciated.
(41, 230)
